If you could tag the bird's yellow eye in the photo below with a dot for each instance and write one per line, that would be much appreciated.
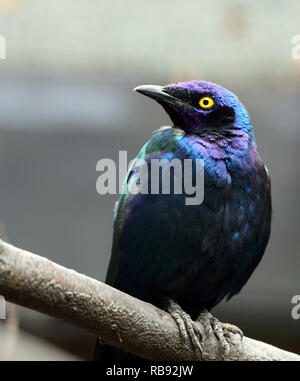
(206, 102)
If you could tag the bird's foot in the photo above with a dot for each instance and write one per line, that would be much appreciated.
(187, 327)
(213, 325)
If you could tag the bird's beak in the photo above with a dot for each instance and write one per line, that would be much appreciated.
(157, 93)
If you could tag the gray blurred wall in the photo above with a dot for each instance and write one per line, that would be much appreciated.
(66, 101)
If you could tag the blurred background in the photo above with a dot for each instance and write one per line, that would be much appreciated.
(66, 101)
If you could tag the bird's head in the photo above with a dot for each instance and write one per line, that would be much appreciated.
(197, 105)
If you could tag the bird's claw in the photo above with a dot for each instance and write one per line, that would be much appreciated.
(187, 328)
(190, 330)
(218, 331)
(227, 327)
(221, 330)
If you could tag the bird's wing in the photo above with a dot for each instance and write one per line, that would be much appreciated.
(163, 139)
(259, 223)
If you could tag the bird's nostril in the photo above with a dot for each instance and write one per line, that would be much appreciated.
(228, 115)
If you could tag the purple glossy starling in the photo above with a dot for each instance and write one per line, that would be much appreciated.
(187, 258)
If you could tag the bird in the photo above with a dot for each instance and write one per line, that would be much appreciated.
(187, 258)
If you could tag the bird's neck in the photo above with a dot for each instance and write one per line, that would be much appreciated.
(220, 144)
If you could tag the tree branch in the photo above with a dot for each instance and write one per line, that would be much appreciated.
(121, 320)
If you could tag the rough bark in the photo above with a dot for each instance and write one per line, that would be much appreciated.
(121, 320)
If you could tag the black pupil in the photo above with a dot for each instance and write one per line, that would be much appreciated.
(205, 102)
